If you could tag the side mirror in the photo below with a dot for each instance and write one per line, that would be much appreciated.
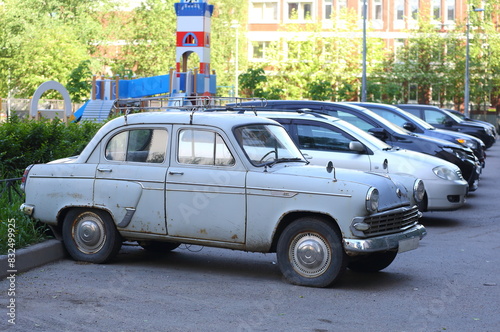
(448, 123)
(409, 126)
(356, 146)
(379, 133)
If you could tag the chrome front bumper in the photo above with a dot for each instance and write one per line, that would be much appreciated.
(403, 241)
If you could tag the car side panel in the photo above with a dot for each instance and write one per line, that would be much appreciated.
(54, 187)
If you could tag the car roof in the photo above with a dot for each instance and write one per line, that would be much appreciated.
(294, 114)
(367, 104)
(217, 119)
(419, 106)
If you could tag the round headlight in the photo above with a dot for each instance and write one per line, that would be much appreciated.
(445, 173)
(418, 190)
(372, 200)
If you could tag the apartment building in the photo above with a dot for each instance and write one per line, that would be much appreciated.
(386, 19)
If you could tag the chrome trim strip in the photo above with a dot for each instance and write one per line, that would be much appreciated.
(295, 192)
(127, 218)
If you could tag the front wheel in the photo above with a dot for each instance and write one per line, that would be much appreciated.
(90, 236)
(310, 253)
(372, 262)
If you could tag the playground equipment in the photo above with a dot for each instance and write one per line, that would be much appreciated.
(35, 112)
(179, 86)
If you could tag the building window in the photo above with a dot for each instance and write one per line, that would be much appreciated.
(413, 92)
(263, 11)
(436, 9)
(450, 10)
(414, 8)
(328, 10)
(299, 10)
(341, 4)
(377, 10)
(400, 10)
(259, 50)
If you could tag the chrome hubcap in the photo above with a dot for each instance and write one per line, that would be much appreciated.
(89, 233)
(310, 254)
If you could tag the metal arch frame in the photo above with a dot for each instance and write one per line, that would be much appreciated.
(50, 85)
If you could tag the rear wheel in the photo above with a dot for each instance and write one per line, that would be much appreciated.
(310, 253)
(372, 262)
(90, 235)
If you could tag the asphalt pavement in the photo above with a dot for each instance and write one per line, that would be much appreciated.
(450, 283)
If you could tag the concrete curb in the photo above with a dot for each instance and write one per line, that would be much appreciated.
(33, 256)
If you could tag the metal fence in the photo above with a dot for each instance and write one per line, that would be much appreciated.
(21, 107)
(9, 186)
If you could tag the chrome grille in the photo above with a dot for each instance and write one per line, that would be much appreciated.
(392, 221)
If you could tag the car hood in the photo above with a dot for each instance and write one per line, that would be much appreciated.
(317, 179)
(454, 134)
(443, 143)
(415, 163)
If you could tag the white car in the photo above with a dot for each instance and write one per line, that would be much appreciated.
(324, 138)
(229, 181)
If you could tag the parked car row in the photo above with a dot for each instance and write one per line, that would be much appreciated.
(443, 119)
(310, 181)
(467, 119)
(325, 138)
(392, 134)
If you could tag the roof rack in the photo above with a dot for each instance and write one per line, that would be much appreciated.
(179, 102)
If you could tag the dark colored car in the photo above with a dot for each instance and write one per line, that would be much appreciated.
(442, 119)
(463, 117)
(390, 133)
(418, 126)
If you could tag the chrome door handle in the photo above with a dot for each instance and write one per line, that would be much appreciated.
(176, 173)
(105, 170)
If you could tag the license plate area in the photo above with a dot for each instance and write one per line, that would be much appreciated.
(408, 244)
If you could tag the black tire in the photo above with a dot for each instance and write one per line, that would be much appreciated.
(373, 262)
(90, 236)
(310, 253)
(159, 247)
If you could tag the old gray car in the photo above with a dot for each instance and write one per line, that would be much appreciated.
(229, 181)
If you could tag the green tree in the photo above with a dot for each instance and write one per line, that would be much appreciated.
(42, 40)
(422, 60)
(228, 23)
(150, 34)
(319, 90)
(310, 54)
(79, 85)
(251, 80)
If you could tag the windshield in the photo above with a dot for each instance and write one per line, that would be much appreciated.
(266, 144)
(453, 116)
(363, 136)
(397, 129)
(459, 115)
(418, 120)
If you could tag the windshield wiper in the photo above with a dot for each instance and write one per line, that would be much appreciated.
(283, 160)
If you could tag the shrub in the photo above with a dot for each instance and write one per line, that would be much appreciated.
(24, 142)
(26, 230)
